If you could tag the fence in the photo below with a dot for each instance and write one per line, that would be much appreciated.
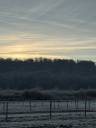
(48, 107)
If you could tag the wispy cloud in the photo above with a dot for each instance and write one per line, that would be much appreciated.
(60, 28)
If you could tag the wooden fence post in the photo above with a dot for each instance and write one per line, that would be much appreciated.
(76, 104)
(89, 104)
(50, 109)
(85, 106)
(54, 105)
(6, 112)
(30, 106)
(4, 107)
(67, 102)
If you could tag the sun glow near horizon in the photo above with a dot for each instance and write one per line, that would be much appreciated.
(27, 46)
(52, 29)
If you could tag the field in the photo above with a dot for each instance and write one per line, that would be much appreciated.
(46, 114)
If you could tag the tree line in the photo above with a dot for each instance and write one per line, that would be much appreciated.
(47, 74)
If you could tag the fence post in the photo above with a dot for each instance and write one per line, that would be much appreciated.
(67, 102)
(50, 109)
(85, 106)
(6, 112)
(76, 104)
(30, 106)
(4, 105)
(89, 103)
(54, 104)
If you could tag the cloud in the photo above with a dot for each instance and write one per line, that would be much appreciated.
(48, 28)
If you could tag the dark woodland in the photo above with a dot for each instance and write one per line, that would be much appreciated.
(47, 74)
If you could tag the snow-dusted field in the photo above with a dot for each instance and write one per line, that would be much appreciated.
(37, 115)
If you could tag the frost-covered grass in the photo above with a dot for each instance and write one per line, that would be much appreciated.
(42, 121)
(42, 106)
(20, 116)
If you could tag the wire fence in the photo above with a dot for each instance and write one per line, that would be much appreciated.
(46, 107)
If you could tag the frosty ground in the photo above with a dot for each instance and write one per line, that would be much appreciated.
(20, 116)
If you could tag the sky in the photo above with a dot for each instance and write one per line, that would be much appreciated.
(48, 28)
